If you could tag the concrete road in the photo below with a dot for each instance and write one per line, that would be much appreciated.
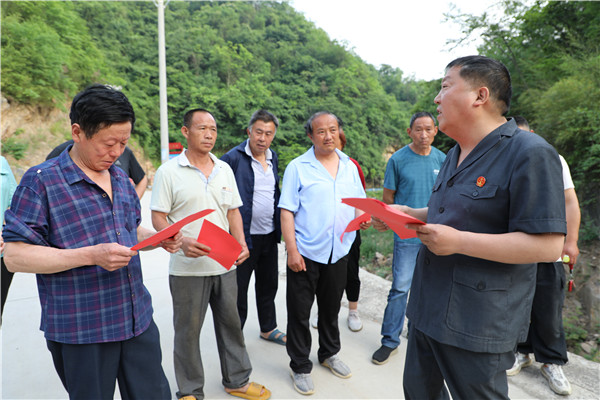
(28, 373)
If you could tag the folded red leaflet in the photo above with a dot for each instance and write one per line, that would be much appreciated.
(224, 249)
(395, 219)
(354, 225)
(170, 230)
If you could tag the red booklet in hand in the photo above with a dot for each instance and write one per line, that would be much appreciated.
(170, 230)
(395, 219)
(224, 249)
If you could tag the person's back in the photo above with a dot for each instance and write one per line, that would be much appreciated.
(546, 337)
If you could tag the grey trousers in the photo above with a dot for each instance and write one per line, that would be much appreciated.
(191, 297)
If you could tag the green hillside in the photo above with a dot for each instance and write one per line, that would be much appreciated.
(228, 57)
(235, 57)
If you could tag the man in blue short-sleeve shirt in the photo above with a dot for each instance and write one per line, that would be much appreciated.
(312, 221)
(495, 211)
(72, 221)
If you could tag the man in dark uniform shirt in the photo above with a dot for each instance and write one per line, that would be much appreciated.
(495, 211)
(127, 162)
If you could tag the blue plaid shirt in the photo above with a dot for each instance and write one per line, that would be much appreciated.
(57, 205)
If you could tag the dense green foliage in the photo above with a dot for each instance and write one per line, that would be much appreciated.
(229, 57)
(235, 57)
(553, 52)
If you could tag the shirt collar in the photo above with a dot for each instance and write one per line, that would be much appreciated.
(508, 129)
(72, 172)
(268, 153)
(309, 156)
(183, 161)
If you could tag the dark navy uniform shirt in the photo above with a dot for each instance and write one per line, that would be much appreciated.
(510, 182)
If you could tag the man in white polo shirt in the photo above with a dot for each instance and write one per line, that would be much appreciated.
(193, 181)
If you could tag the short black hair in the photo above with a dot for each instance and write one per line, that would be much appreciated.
(308, 125)
(264, 116)
(420, 114)
(521, 122)
(99, 106)
(485, 71)
(187, 118)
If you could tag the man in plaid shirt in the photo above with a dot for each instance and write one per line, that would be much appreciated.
(72, 221)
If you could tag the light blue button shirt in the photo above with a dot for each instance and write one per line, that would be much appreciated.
(9, 184)
(315, 199)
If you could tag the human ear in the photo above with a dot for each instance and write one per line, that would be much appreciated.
(483, 96)
(76, 133)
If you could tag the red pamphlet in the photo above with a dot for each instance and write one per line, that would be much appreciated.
(170, 230)
(395, 219)
(224, 249)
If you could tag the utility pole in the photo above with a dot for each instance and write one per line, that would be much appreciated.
(162, 82)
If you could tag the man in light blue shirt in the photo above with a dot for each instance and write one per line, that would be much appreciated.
(313, 219)
(8, 186)
(409, 177)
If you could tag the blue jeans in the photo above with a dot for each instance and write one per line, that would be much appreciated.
(405, 258)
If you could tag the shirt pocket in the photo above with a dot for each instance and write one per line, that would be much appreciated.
(226, 197)
(479, 302)
(129, 217)
(477, 193)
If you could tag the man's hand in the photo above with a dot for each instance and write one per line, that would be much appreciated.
(441, 240)
(572, 251)
(379, 225)
(193, 249)
(172, 244)
(295, 261)
(244, 254)
(111, 256)
(365, 225)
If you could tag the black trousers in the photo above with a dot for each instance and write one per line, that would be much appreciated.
(352, 280)
(327, 282)
(89, 371)
(6, 277)
(263, 262)
(546, 337)
(469, 375)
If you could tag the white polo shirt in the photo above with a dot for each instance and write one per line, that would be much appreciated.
(180, 189)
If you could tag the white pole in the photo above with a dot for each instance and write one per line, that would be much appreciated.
(162, 83)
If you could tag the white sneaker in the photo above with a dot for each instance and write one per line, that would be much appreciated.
(354, 322)
(314, 322)
(556, 379)
(521, 361)
(303, 383)
(337, 366)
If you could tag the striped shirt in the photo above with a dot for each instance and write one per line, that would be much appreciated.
(57, 205)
